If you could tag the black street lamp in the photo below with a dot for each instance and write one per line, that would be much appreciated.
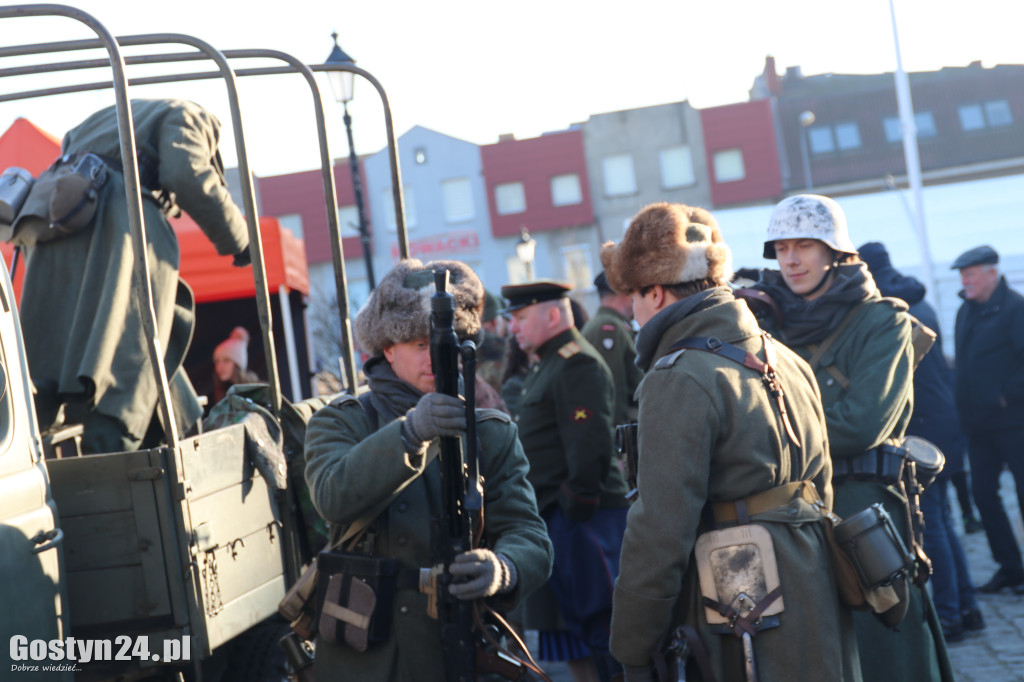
(342, 85)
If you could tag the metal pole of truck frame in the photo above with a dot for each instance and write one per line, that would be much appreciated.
(133, 194)
(248, 194)
(329, 186)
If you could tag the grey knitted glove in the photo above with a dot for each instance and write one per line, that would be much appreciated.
(484, 574)
(436, 414)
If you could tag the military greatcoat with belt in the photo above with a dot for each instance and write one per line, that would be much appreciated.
(352, 468)
(81, 318)
(875, 355)
(709, 431)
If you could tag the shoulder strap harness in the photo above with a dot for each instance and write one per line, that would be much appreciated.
(714, 345)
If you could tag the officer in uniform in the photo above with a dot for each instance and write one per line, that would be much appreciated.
(565, 425)
(610, 333)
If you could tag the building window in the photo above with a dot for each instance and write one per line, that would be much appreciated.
(409, 199)
(565, 190)
(923, 120)
(619, 178)
(820, 139)
(971, 117)
(729, 165)
(847, 135)
(576, 265)
(676, 167)
(993, 114)
(458, 200)
(997, 113)
(348, 219)
(509, 198)
(841, 136)
(291, 222)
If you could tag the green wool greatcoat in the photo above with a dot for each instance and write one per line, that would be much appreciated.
(709, 431)
(874, 353)
(610, 334)
(352, 469)
(81, 318)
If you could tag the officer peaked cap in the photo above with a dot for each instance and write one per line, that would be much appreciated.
(523, 295)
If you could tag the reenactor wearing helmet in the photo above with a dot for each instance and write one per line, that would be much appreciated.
(372, 462)
(717, 450)
(859, 346)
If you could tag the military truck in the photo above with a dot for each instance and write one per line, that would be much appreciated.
(167, 562)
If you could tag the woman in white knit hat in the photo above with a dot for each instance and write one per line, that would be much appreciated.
(231, 363)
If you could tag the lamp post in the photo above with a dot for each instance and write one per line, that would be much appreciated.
(342, 83)
(806, 121)
(526, 248)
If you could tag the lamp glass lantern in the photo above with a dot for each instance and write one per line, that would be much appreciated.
(342, 82)
(526, 249)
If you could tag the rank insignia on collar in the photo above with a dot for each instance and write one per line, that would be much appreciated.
(570, 349)
(608, 343)
(581, 414)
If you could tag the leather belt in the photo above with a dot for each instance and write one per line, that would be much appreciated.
(883, 464)
(758, 503)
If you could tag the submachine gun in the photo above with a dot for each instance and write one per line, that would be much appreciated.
(461, 490)
(468, 643)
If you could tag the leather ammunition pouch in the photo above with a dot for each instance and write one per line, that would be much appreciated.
(61, 202)
(355, 593)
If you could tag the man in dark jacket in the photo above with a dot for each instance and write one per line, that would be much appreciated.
(565, 424)
(990, 397)
(934, 419)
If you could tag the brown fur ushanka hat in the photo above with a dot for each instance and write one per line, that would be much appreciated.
(398, 310)
(667, 244)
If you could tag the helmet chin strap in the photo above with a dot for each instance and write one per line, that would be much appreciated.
(829, 271)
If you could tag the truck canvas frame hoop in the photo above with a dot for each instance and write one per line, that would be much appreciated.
(184, 544)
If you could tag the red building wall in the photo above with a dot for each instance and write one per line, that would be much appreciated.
(749, 127)
(303, 193)
(534, 162)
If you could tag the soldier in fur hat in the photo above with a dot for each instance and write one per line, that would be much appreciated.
(721, 441)
(372, 461)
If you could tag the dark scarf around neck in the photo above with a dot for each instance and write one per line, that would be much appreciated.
(806, 322)
(389, 395)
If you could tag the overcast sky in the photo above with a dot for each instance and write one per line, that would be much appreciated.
(477, 69)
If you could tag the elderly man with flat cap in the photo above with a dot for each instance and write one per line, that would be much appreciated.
(565, 424)
(990, 399)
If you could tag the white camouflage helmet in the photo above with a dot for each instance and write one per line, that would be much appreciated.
(809, 216)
